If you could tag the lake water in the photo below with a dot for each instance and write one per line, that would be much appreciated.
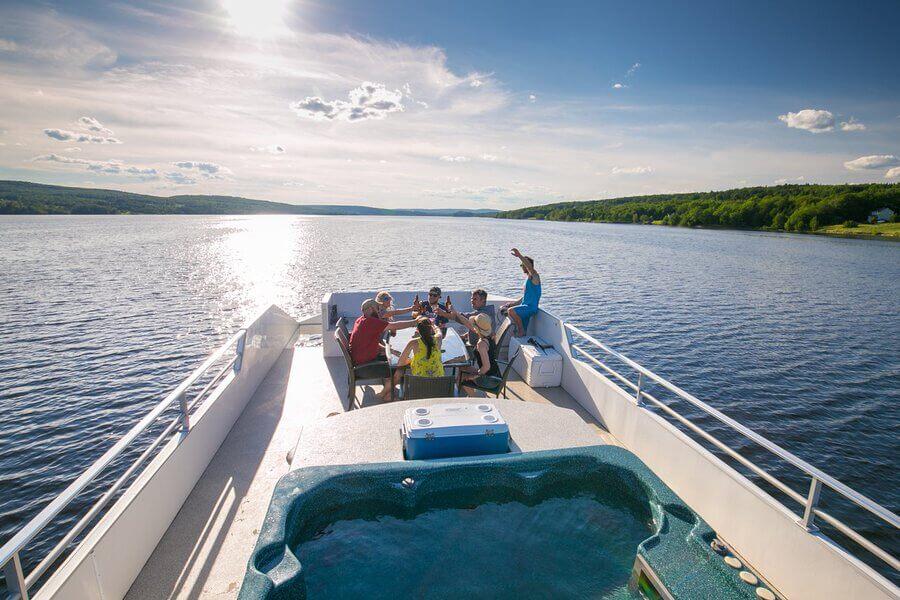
(795, 336)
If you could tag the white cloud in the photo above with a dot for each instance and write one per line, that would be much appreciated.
(619, 86)
(64, 135)
(875, 161)
(532, 98)
(368, 101)
(179, 178)
(109, 167)
(274, 149)
(633, 69)
(785, 180)
(92, 124)
(809, 119)
(893, 173)
(455, 159)
(640, 170)
(489, 157)
(207, 170)
(476, 83)
(72, 149)
(852, 125)
(8, 45)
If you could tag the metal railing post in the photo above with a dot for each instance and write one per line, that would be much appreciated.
(185, 415)
(812, 500)
(239, 350)
(15, 578)
(637, 394)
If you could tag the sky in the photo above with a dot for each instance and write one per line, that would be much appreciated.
(448, 104)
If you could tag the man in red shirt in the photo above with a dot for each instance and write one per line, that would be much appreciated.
(365, 339)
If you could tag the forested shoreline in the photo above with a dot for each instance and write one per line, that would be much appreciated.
(801, 208)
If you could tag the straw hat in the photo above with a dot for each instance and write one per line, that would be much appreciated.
(482, 324)
(383, 297)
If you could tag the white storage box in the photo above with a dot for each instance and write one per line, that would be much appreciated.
(538, 363)
(447, 430)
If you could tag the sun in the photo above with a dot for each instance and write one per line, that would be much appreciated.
(260, 19)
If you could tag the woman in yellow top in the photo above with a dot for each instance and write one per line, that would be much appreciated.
(423, 352)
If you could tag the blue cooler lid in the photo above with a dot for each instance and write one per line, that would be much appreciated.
(452, 420)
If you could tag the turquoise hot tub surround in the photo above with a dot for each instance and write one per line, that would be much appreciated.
(417, 527)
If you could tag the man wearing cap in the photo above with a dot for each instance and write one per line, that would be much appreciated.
(365, 339)
(433, 309)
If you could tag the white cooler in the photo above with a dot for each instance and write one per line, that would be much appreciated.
(538, 363)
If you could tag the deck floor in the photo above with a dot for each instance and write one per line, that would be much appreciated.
(204, 553)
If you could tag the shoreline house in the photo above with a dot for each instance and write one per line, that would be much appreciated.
(882, 215)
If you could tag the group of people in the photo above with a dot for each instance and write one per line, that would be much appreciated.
(422, 355)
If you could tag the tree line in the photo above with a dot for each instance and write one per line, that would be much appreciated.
(781, 208)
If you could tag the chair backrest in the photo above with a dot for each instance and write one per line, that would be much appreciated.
(341, 325)
(502, 333)
(509, 365)
(344, 343)
(416, 388)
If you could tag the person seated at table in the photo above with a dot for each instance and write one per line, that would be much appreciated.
(386, 308)
(365, 338)
(485, 371)
(423, 352)
(433, 309)
(479, 306)
(521, 311)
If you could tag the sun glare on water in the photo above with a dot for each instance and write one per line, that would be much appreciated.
(260, 19)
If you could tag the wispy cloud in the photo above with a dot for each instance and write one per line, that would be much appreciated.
(893, 173)
(109, 167)
(455, 159)
(274, 149)
(208, 170)
(852, 125)
(639, 170)
(64, 135)
(874, 161)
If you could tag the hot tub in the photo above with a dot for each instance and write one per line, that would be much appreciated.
(583, 522)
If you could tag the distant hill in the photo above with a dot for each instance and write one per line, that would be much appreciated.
(25, 198)
(780, 208)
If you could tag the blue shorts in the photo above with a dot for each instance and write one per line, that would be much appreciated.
(525, 312)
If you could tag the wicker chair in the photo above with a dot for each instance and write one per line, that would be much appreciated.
(417, 388)
(495, 385)
(361, 374)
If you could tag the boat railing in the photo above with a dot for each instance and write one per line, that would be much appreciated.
(818, 478)
(17, 581)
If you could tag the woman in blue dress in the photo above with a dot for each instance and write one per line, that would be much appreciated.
(521, 311)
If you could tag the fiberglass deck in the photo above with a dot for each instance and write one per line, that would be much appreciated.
(204, 552)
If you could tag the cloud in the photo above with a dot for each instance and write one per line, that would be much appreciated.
(852, 125)
(489, 157)
(269, 149)
(619, 86)
(785, 180)
(368, 101)
(476, 83)
(64, 135)
(8, 45)
(875, 161)
(532, 98)
(207, 170)
(893, 173)
(179, 178)
(92, 124)
(455, 159)
(631, 170)
(812, 120)
(109, 167)
(633, 69)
